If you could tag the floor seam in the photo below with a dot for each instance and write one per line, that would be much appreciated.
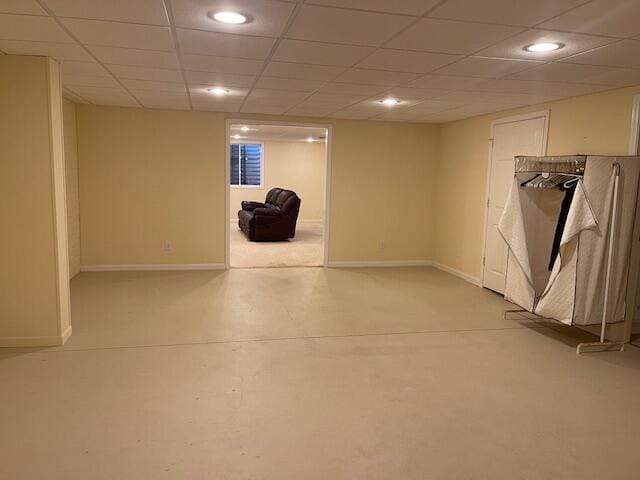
(279, 339)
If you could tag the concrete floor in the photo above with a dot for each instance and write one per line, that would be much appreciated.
(305, 250)
(311, 374)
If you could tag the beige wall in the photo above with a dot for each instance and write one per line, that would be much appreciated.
(147, 176)
(34, 277)
(71, 179)
(597, 124)
(383, 188)
(297, 166)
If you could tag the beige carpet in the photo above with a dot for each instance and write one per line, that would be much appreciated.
(305, 250)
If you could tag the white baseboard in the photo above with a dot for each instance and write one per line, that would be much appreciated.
(465, 276)
(152, 267)
(45, 341)
(381, 263)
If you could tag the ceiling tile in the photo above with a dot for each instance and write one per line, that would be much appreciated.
(506, 12)
(84, 68)
(398, 116)
(407, 7)
(302, 71)
(301, 51)
(139, 11)
(268, 18)
(134, 57)
(105, 96)
(335, 25)
(352, 88)
(447, 36)
(276, 97)
(442, 117)
(444, 82)
(69, 95)
(37, 29)
(574, 43)
(306, 110)
(152, 99)
(227, 107)
(89, 81)
(375, 77)
(414, 94)
(561, 72)
(360, 110)
(143, 73)
(251, 107)
(487, 67)
(208, 63)
(59, 51)
(29, 7)
(352, 113)
(535, 87)
(335, 99)
(480, 108)
(617, 77)
(625, 53)
(432, 106)
(465, 98)
(221, 79)
(116, 34)
(616, 18)
(288, 84)
(224, 44)
(404, 61)
(153, 85)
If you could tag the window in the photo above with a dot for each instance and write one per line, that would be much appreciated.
(246, 164)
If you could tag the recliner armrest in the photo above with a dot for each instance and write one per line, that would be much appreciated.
(250, 206)
(267, 216)
(269, 212)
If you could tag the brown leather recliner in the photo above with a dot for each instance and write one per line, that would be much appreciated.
(271, 221)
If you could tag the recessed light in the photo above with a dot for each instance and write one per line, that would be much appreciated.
(310, 139)
(233, 18)
(389, 101)
(218, 91)
(237, 137)
(543, 47)
(245, 128)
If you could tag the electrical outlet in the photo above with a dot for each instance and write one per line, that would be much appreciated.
(168, 245)
(380, 244)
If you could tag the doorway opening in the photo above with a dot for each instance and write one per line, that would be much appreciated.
(277, 194)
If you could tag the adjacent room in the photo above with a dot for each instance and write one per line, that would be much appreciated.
(319, 239)
(282, 168)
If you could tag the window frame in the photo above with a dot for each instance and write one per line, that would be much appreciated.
(251, 142)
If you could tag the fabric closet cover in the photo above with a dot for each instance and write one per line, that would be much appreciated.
(558, 297)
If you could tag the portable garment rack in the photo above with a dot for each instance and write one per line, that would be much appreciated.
(575, 167)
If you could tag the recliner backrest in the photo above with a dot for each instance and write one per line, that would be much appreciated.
(285, 200)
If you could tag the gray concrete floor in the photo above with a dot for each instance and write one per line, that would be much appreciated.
(313, 373)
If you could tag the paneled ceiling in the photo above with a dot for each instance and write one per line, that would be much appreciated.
(443, 59)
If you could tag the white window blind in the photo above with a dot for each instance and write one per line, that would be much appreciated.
(246, 164)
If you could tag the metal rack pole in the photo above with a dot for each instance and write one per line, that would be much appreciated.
(603, 345)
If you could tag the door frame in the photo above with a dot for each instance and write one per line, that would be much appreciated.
(327, 181)
(500, 121)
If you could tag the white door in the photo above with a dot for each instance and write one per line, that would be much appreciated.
(520, 136)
